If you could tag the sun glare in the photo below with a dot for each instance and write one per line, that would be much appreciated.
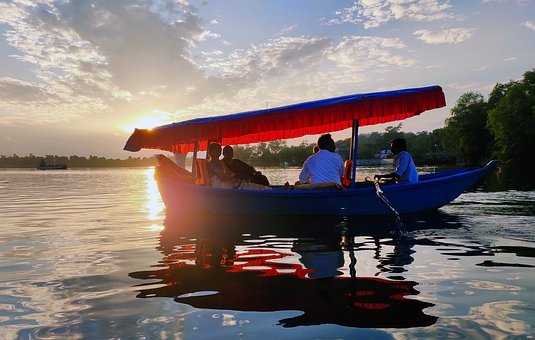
(146, 122)
(154, 204)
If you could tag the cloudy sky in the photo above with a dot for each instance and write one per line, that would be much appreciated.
(77, 76)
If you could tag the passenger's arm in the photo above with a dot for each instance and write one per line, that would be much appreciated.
(401, 166)
(252, 170)
(392, 175)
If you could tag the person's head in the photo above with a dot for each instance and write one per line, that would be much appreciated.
(326, 142)
(398, 145)
(228, 152)
(214, 150)
(315, 149)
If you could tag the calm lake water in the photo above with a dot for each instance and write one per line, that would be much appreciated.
(90, 254)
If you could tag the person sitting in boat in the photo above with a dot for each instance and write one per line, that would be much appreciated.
(221, 176)
(241, 169)
(324, 166)
(404, 167)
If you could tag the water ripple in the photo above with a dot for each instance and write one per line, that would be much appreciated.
(87, 254)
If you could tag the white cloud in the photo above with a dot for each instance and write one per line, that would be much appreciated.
(481, 68)
(105, 62)
(529, 24)
(374, 13)
(444, 36)
(509, 59)
(214, 22)
(363, 52)
(102, 57)
(274, 56)
(170, 11)
(296, 54)
(207, 34)
(287, 29)
(19, 91)
(290, 69)
(472, 86)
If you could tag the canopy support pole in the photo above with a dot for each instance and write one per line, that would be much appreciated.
(354, 150)
(194, 160)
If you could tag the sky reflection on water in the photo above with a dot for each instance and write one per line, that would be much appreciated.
(88, 253)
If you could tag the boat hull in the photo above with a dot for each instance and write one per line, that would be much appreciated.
(52, 167)
(432, 192)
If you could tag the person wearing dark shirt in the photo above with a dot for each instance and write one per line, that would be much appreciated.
(241, 169)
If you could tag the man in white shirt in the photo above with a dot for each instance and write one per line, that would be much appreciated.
(404, 168)
(325, 166)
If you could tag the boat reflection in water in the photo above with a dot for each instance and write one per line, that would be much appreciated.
(309, 271)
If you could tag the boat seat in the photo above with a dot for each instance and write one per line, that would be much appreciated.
(201, 172)
(346, 178)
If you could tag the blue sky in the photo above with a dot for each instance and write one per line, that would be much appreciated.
(77, 76)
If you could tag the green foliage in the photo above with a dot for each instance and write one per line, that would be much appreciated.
(512, 122)
(275, 153)
(499, 91)
(466, 133)
(426, 148)
(371, 144)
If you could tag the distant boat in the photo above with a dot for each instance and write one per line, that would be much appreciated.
(43, 165)
(383, 154)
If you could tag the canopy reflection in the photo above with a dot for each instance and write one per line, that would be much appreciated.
(302, 273)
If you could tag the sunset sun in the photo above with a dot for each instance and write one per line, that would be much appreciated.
(147, 121)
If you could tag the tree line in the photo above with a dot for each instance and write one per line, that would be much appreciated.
(426, 148)
(501, 127)
(32, 161)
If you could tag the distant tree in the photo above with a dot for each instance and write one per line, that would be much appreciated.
(32, 161)
(295, 155)
(342, 147)
(466, 131)
(370, 144)
(244, 153)
(499, 91)
(392, 132)
(512, 122)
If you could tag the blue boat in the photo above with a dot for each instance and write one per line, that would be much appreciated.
(432, 192)
(358, 199)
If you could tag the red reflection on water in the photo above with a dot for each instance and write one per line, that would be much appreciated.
(255, 277)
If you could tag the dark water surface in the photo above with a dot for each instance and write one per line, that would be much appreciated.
(89, 254)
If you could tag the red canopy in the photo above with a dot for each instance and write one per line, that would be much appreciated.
(290, 121)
